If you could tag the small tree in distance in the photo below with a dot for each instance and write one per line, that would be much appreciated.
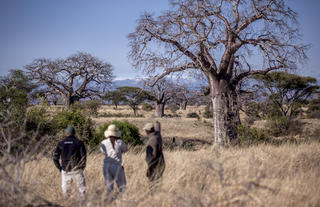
(288, 92)
(115, 97)
(133, 96)
(162, 92)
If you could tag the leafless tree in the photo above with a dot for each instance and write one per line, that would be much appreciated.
(162, 92)
(226, 40)
(185, 95)
(78, 76)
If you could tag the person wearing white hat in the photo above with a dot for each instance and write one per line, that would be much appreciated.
(113, 147)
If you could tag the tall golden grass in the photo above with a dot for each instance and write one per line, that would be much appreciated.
(263, 175)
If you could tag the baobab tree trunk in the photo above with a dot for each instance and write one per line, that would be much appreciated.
(225, 113)
(159, 109)
(183, 105)
(70, 100)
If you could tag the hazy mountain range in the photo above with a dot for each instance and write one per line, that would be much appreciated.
(138, 83)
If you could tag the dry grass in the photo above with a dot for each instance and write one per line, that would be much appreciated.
(263, 175)
(258, 176)
(181, 127)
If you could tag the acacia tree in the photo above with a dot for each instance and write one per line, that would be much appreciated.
(79, 76)
(288, 92)
(133, 96)
(218, 39)
(115, 97)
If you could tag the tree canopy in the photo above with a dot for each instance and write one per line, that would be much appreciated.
(78, 76)
(225, 41)
(288, 92)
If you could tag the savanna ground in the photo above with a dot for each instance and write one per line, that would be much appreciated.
(262, 175)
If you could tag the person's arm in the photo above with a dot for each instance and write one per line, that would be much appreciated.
(157, 127)
(103, 148)
(124, 147)
(150, 154)
(56, 157)
(83, 155)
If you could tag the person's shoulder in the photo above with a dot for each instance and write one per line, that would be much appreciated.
(61, 142)
(105, 141)
(77, 141)
(120, 141)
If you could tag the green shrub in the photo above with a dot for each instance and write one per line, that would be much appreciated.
(280, 126)
(250, 136)
(129, 133)
(193, 115)
(92, 107)
(38, 121)
(147, 107)
(207, 114)
(75, 118)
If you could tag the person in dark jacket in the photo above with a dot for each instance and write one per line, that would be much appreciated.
(73, 156)
(154, 155)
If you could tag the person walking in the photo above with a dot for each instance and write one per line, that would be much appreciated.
(113, 147)
(73, 156)
(154, 155)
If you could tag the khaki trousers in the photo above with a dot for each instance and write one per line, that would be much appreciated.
(74, 176)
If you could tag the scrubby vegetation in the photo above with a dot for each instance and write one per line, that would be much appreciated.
(130, 133)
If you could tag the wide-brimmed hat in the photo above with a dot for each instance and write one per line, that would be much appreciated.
(148, 127)
(112, 131)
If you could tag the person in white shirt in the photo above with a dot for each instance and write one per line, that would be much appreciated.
(113, 147)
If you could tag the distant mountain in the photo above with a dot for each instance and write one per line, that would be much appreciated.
(195, 84)
(127, 82)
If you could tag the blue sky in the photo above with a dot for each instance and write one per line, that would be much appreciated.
(58, 28)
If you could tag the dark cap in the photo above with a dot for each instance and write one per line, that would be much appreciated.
(70, 130)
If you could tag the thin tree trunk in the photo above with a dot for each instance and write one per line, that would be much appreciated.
(67, 102)
(183, 105)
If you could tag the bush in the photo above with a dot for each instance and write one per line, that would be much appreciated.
(75, 118)
(193, 115)
(38, 121)
(207, 114)
(250, 136)
(314, 115)
(173, 108)
(280, 125)
(129, 133)
(147, 107)
(92, 107)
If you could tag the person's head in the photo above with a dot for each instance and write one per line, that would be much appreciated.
(148, 128)
(70, 131)
(112, 131)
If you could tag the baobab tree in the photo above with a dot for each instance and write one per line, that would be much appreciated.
(162, 92)
(184, 95)
(226, 40)
(76, 77)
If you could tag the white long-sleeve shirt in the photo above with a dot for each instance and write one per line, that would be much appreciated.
(113, 155)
